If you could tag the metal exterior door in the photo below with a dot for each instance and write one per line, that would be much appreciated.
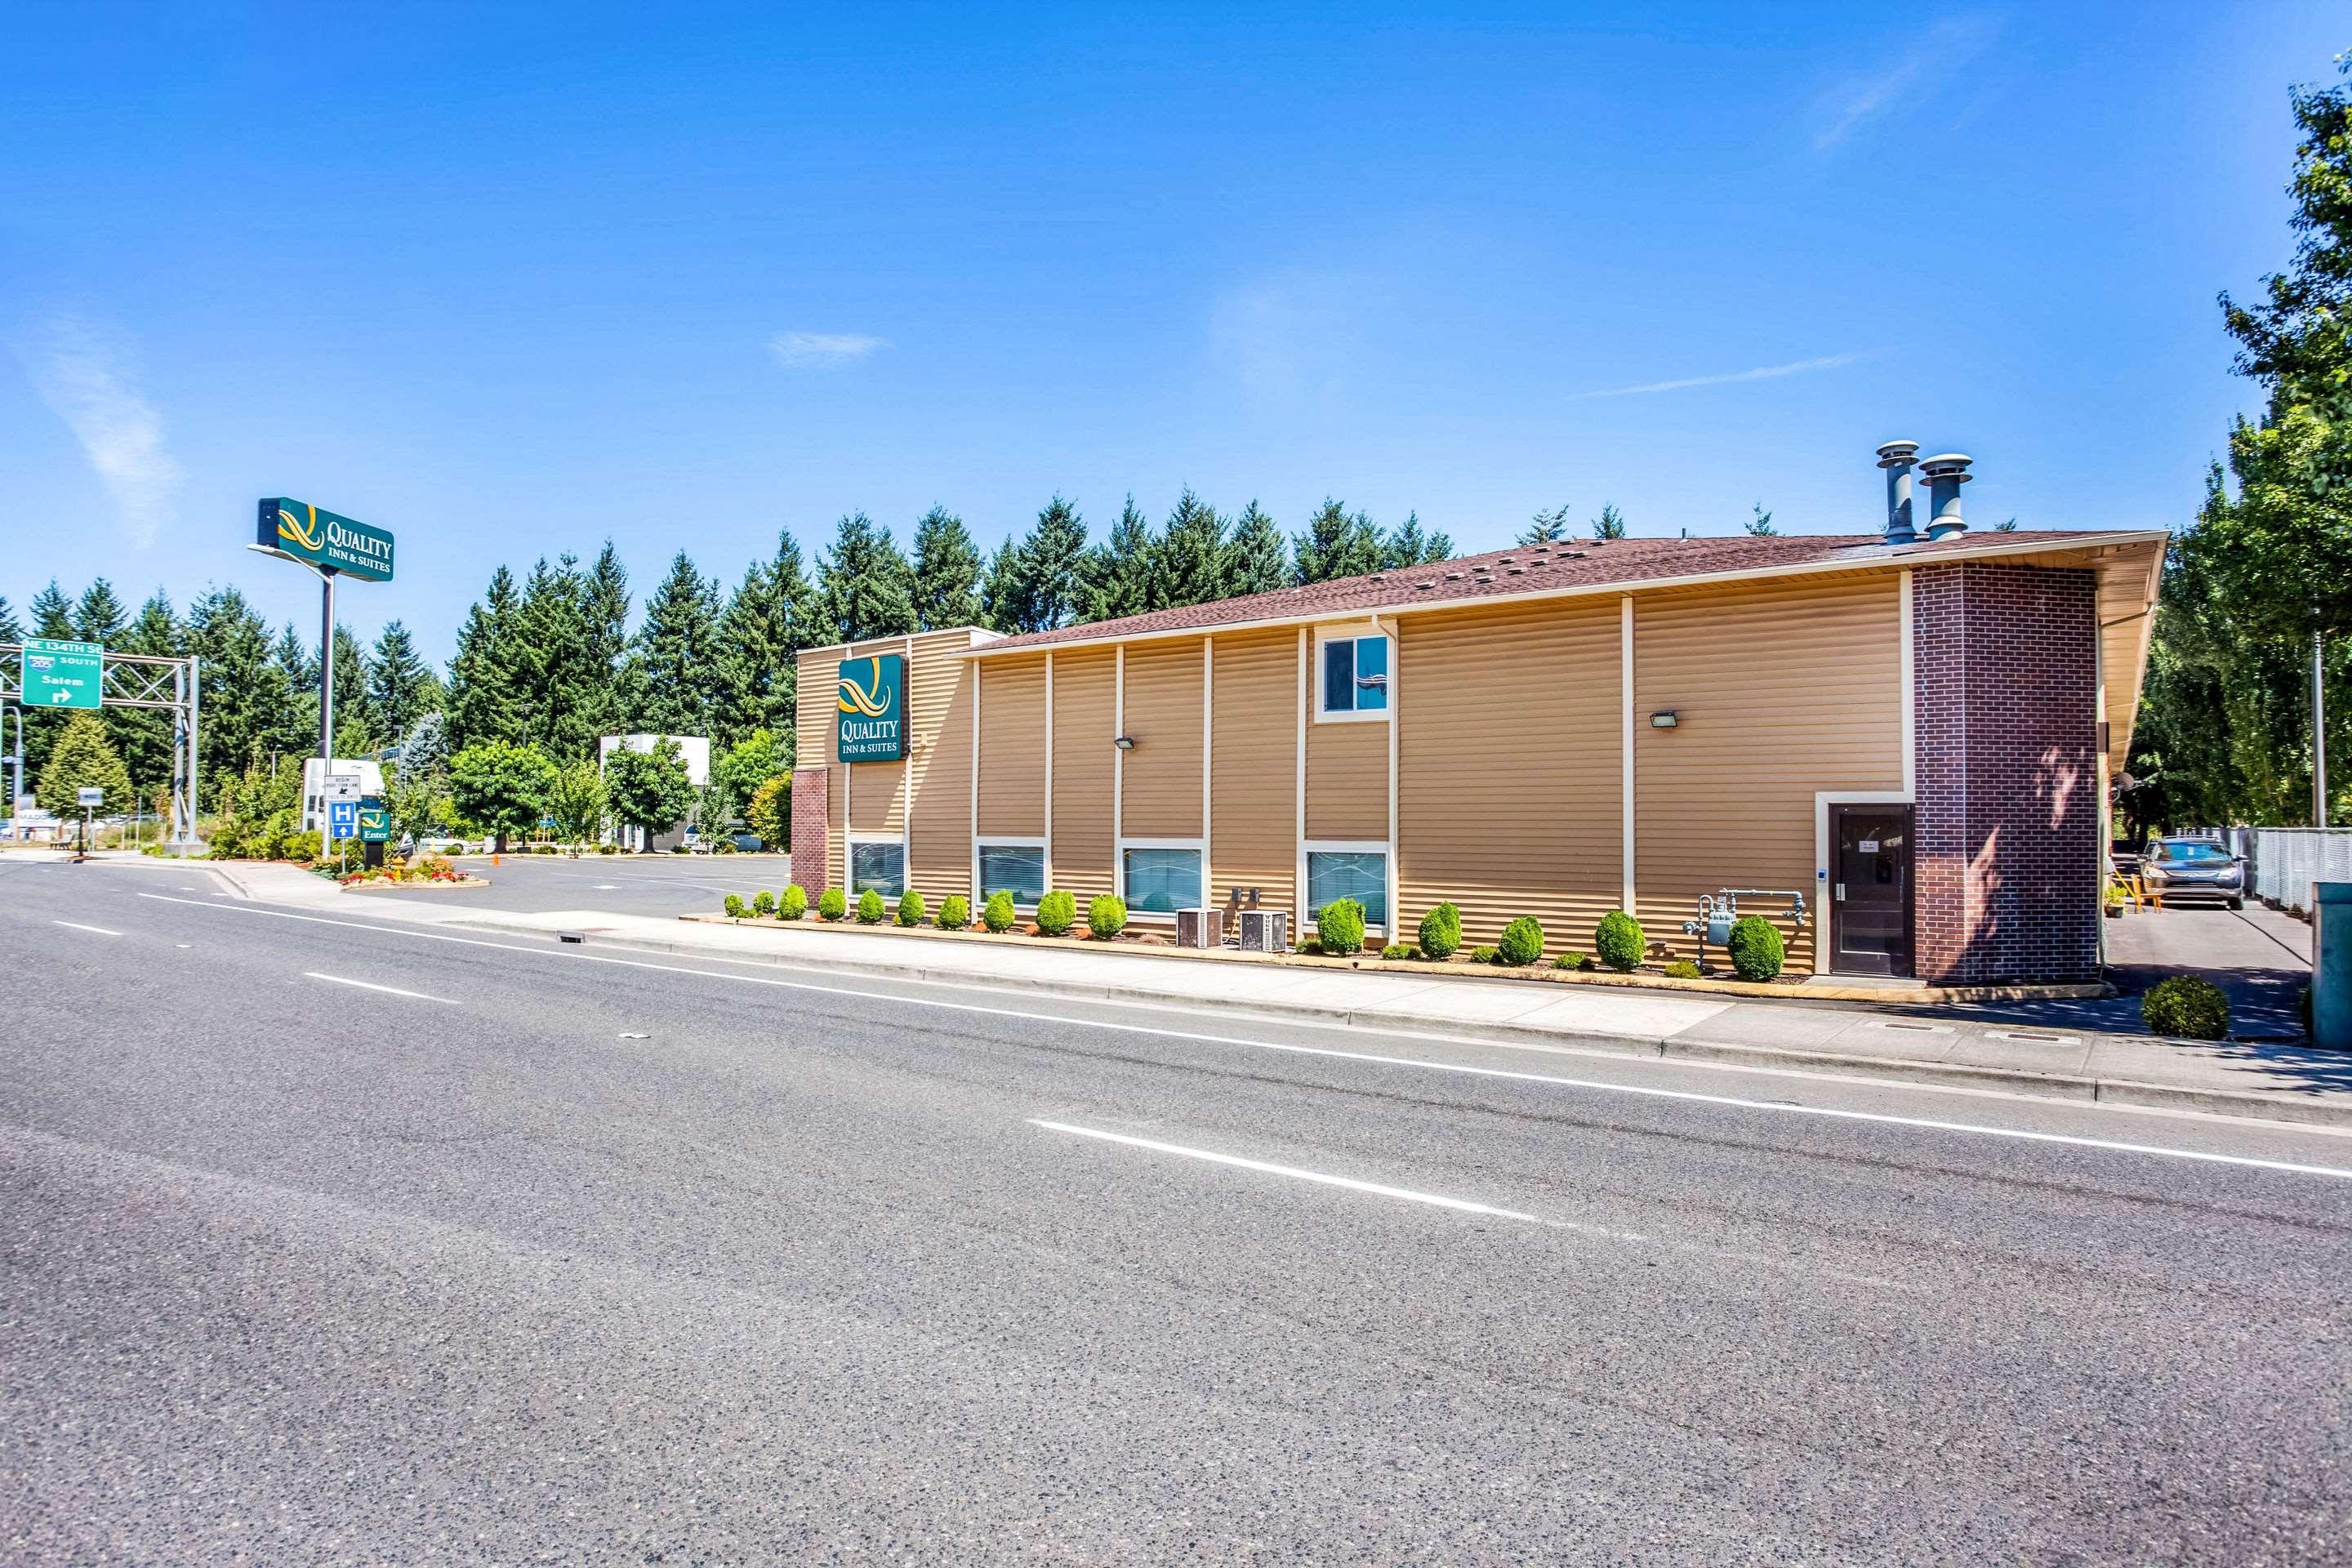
(1870, 901)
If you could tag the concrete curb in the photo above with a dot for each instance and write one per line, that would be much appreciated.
(2334, 1112)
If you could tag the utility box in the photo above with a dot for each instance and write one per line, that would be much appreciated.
(1201, 928)
(2331, 965)
(1265, 931)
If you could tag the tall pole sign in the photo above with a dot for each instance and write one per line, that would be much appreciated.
(332, 546)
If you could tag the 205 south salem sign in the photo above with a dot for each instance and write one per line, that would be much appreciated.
(871, 724)
(324, 540)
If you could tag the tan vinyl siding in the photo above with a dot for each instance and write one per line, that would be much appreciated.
(1012, 747)
(1509, 769)
(939, 710)
(1254, 757)
(1082, 772)
(1346, 774)
(1779, 691)
(1162, 711)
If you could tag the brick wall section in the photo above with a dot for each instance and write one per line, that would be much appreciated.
(810, 828)
(2006, 868)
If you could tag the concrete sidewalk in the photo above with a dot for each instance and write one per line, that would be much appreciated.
(2269, 1080)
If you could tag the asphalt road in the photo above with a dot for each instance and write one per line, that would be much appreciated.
(576, 1256)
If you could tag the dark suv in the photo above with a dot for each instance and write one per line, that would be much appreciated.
(2176, 868)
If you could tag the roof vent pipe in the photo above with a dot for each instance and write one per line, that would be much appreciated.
(1946, 473)
(1894, 457)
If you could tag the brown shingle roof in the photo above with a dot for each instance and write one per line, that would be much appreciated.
(1529, 569)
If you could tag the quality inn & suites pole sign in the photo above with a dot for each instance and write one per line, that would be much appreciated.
(324, 539)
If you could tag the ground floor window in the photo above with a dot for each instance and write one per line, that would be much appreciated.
(1016, 868)
(1160, 879)
(880, 864)
(1359, 874)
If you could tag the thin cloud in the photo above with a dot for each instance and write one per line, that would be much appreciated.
(1941, 55)
(89, 375)
(802, 351)
(1762, 373)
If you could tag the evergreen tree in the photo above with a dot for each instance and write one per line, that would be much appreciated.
(1407, 545)
(1547, 526)
(485, 678)
(143, 735)
(1609, 524)
(248, 710)
(864, 587)
(1258, 561)
(947, 572)
(401, 687)
(1122, 574)
(296, 731)
(1194, 564)
(11, 629)
(82, 758)
(1760, 526)
(763, 626)
(557, 651)
(1337, 543)
(1000, 592)
(1053, 569)
(100, 617)
(606, 710)
(52, 614)
(355, 717)
(678, 651)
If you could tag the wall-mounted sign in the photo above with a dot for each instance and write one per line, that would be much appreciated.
(871, 723)
(302, 533)
(60, 674)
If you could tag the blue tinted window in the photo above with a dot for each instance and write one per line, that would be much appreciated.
(1017, 869)
(1371, 672)
(1360, 875)
(1339, 676)
(881, 867)
(1162, 880)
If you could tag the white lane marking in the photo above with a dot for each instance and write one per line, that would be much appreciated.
(1353, 1185)
(370, 985)
(1645, 1091)
(605, 887)
(76, 925)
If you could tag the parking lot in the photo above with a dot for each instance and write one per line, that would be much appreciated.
(624, 884)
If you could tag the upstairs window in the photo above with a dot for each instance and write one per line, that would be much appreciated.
(1355, 677)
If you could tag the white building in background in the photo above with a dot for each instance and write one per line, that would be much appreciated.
(694, 750)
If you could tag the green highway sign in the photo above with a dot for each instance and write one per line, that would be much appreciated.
(322, 538)
(376, 824)
(870, 725)
(60, 674)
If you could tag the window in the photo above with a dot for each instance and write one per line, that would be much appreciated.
(1016, 869)
(1359, 874)
(1161, 880)
(1355, 677)
(880, 864)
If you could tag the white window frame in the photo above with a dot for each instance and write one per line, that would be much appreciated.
(849, 860)
(1314, 846)
(1198, 845)
(1352, 633)
(1009, 841)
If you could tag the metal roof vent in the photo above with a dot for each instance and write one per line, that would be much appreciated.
(1946, 473)
(1895, 458)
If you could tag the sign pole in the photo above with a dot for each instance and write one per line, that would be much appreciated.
(326, 674)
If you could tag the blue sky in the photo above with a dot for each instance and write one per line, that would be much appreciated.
(510, 282)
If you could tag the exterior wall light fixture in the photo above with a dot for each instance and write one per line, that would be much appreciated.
(1663, 720)
(1123, 742)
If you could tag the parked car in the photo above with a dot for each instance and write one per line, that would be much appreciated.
(748, 843)
(2175, 870)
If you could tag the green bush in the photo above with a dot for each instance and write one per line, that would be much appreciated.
(1571, 960)
(1057, 912)
(793, 904)
(763, 903)
(912, 911)
(1440, 932)
(955, 912)
(1482, 956)
(300, 847)
(1619, 941)
(1106, 917)
(1522, 941)
(1340, 925)
(608, 849)
(1756, 948)
(831, 904)
(1683, 969)
(1309, 944)
(997, 914)
(870, 908)
(734, 906)
(2187, 1008)
(1398, 949)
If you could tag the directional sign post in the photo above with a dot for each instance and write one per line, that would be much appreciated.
(61, 674)
(342, 819)
(91, 797)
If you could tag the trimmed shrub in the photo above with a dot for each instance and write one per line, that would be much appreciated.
(955, 912)
(1340, 924)
(763, 903)
(1683, 969)
(1398, 949)
(1440, 932)
(997, 914)
(912, 911)
(1482, 955)
(793, 904)
(869, 908)
(831, 904)
(1057, 912)
(1309, 944)
(1571, 960)
(1618, 939)
(2187, 1008)
(1756, 948)
(1522, 941)
(1106, 917)
(300, 847)
(608, 849)
(734, 906)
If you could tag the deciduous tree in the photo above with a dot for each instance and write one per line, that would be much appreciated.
(502, 788)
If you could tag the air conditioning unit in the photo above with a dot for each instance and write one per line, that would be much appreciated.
(1199, 928)
(1265, 931)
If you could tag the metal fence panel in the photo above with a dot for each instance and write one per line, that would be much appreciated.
(2287, 860)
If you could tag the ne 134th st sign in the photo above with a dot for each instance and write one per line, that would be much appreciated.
(871, 723)
(61, 674)
(324, 540)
